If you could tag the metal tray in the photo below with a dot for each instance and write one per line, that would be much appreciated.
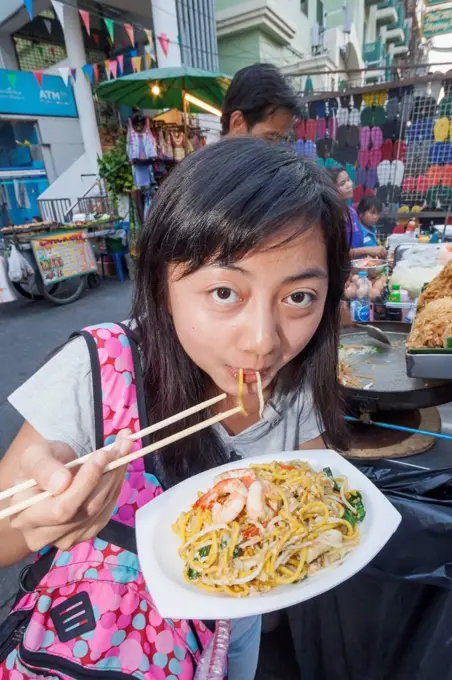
(392, 389)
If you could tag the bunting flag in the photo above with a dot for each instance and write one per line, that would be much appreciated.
(130, 32)
(136, 64)
(149, 55)
(86, 20)
(149, 36)
(64, 73)
(107, 68)
(59, 11)
(179, 41)
(29, 7)
(52, 51)
(74, 74)
(12, 78)
(120, 59)
(113, 67)
(133, 53)
(48, 25)
(96, 72)
(96, 38)
(148, 60)
(38, 76)
(88, 70)
(109, 23)
(164, 43)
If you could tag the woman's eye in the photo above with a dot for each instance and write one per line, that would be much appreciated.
(225, 296)
(299, 299)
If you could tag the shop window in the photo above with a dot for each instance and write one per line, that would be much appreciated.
(304, 6)
(34, 55)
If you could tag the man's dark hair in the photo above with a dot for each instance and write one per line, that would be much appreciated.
(257, 91)
(370, 203)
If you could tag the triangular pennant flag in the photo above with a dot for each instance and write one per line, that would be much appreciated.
(124, 43)
(121, 62)
(48, 25)
(64, 73)
(89, 72)
(113, 67)
(136, 64)
(164, 43)
(133, 53)
(52, 51)
(86, 20)
(29, 7)
(12, 78)
(38, 76)
(59, 11)
(109, 23)
(149, 36)
(179, 41)
(148, 60)
(107, 68)
(96, 72)
(74, 74)
(130, 32)
(96, 38)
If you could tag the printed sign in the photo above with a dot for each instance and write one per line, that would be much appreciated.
(63, 256)
(20, 93)
(437, 22)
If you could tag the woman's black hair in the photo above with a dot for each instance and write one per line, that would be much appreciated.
(371, 203)
(335, 172)
(257, 91)
(218, 205)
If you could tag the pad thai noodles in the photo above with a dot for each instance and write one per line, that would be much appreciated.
(267, 525)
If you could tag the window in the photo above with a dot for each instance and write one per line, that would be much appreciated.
(304, 6)
(320, 12)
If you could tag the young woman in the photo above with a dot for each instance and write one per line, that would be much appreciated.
(241, 265)
(358, 248)
(369, 211)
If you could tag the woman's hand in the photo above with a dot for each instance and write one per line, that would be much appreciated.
(377, 251)
(83, 497)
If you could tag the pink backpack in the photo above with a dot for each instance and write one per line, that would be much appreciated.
(87, 613)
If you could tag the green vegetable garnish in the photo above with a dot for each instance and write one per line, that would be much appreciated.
(349, 517)
(237, 552)
(224, 544)
(356, 500)
(328, 473)
(204, 551)
(192, 574)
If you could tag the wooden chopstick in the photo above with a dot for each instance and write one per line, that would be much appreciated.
(30, 483)
(124, 460)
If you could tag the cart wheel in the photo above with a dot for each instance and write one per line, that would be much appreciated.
(31, 291)
(94, 281)
(64, 292)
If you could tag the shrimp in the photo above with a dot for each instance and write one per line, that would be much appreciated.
(246, 476)
(226, 500)
(256, 507)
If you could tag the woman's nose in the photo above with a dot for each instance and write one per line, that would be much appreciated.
(261, 334)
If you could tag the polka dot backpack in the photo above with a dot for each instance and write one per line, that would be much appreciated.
(86, 612)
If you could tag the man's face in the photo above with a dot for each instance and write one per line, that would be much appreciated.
(275, 128)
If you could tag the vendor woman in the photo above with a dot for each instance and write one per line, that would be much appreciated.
(358, 247)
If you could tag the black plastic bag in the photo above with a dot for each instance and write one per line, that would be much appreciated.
(393, 620)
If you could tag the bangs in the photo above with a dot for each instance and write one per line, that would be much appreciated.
(239, 196)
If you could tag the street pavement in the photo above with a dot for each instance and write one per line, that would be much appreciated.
(29, 331)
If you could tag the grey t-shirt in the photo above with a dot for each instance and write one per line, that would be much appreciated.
(58, 402)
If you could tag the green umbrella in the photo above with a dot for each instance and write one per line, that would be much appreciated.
(136, 89)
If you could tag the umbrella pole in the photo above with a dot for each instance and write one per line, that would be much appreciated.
(185, 115)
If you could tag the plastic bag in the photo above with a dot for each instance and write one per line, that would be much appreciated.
(392, 620)
(18, 267)
(7, 293)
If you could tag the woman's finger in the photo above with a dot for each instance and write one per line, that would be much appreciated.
(45, 462)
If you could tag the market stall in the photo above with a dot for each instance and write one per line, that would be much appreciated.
(53, 260)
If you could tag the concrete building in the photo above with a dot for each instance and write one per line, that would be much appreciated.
(303, 37)
(49, 132)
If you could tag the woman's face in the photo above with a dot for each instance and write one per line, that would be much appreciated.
(370, 218)
(256, 314)
(344, 185)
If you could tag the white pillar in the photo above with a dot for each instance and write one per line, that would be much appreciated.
(75, 49)
(165, 22)
(8, 58)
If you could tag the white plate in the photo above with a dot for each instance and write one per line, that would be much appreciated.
(163, 568)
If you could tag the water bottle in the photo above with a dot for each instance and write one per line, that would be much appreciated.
(360, 305)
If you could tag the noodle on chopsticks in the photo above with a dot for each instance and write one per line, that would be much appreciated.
(260, 394)
(267, 525)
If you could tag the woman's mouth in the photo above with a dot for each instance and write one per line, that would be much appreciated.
(249, 374)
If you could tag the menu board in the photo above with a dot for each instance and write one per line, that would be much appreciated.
(62, 256)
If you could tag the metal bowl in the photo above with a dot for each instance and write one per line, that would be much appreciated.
(372, 272)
